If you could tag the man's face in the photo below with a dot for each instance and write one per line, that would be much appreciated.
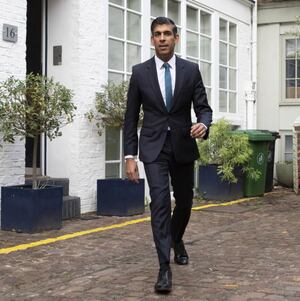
(164, 41)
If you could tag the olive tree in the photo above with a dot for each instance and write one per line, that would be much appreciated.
(33, 106)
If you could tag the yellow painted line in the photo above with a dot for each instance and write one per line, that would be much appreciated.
(197, 208)
(105, 228)
(69, 236)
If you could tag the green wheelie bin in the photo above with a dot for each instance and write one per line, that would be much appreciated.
(259, 142)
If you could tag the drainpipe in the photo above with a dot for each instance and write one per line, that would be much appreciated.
(250, 91)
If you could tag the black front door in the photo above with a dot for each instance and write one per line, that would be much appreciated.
(33, 61)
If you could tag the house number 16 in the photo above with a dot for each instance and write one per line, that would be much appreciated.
(10, 33)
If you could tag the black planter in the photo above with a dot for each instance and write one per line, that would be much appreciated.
(24, 209)
(120, 197)
(211, 186)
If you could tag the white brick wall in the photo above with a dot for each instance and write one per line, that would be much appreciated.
(79, 153)
(12, 62)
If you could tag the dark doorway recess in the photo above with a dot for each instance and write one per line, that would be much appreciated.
(33, 59)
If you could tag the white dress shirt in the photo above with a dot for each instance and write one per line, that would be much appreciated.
(160, 69)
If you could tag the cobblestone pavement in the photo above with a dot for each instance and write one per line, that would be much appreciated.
(243, 252)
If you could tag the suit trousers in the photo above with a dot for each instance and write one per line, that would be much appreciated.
(167, 229)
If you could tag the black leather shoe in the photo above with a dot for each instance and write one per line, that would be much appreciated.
(180, 255)
(164, 281)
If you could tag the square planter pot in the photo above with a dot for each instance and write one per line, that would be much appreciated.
(120, 197)
(211, 186)
(24, 209)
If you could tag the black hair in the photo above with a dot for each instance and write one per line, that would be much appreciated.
(161, 21)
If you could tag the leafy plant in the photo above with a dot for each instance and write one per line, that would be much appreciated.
(110, 106)
(31, 107)
(227, 150)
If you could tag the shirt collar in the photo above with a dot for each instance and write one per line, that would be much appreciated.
(159, 63)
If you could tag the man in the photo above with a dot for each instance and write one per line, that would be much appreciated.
(166, 87)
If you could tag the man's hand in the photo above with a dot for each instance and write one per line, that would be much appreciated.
(132, 170)
(198, 130)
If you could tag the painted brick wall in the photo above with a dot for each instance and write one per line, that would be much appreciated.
(79, 153)
(12, 62)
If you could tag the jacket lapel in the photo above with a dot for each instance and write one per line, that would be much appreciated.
(179, 79)
(151, 67)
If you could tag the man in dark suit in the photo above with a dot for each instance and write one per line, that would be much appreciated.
(166, 87)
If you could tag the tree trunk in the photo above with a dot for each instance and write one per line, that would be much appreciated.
(34, 161)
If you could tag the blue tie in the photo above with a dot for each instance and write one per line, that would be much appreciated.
(168, 86)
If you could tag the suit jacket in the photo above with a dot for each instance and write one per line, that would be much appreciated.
(144, 91)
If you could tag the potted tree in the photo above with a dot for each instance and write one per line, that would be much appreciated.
(115, 196)
(28, 108)
(223, 160)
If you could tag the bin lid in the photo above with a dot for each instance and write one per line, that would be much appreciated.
(256, 135)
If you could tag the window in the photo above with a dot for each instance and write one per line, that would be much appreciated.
(198, 43)
(227, 67)
(288, 148)
(292, 69)
(113, 153)
(124, 51)
(124, 43)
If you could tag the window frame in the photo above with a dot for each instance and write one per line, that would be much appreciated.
(125, 73)
(228, 67)
(284, 100)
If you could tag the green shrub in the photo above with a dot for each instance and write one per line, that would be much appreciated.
(227, 150)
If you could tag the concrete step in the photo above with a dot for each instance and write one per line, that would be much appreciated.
(71, 207)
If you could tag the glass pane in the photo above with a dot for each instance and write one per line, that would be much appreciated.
(290, 89)
(223, 30)
(157, 8)
(192, 18)
(205, 50)
(112, 144)
(298, 89)
(192, 44)
(288, 143)
(298, 68)
(152, 52)
(232, 56)
(119, 2)
(116, 22)
(116, 55)
(223, 77)
(288, 157)
(112, 170)
(133, 56)
(208, 92)
(178, 45)
(223, 53)
(232, 33)
(205, 26)
(232, 102)
(298, 48)
(290, 68)
(115, 77)
(133, 27)
(134, 4)
(205, 69)
(232, 79)
(174, 11)
(290, 47)
(223, 101)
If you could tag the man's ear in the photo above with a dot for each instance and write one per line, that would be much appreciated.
(152, 43)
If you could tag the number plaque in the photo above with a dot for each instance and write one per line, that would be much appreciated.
(10, 33)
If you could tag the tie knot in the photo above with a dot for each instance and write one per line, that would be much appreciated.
(166, 66)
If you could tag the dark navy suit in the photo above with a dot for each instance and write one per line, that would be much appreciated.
(165, 145)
